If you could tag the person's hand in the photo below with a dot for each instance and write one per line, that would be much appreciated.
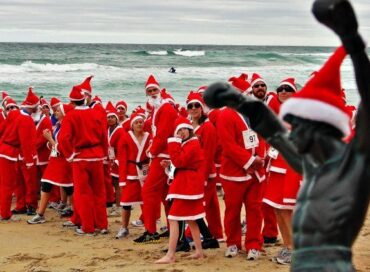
(47, 134)
(165, 163)
(257, 163)
(338, 15)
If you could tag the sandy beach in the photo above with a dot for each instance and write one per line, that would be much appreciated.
(50, 247)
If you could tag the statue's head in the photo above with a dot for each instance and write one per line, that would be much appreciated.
(305, 132)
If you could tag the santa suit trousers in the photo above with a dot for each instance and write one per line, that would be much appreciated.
(270, 228)
(28, 187)
(212, 209)
(153, 192)
(8, 176)
(248, 193)
(89, 194)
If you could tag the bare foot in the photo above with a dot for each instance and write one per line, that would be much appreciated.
(196, 256)
(165, 260)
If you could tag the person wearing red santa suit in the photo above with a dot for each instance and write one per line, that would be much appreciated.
(17, 137)
(186, 191)
(115, 132)
(206, 133)
(283, 183)
(4, 97)
(83, 141)
(124, 120)
(58, 172)
(27, 189)
(155, 187)
(259, 91)
(242, 172)
(134, 164)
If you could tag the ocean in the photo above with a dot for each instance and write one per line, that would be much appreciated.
(120, 70)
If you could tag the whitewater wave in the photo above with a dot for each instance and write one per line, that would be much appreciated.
(189, 53)
(29, 66)
(157, 53)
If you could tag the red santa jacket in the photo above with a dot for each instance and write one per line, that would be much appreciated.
(213, 115)
(207, 136)
(126, 124)
(2, 116)
(272, 101)
(163, 122)
(188, 158)
(114, 139)
(238, 152)
(43, 152)
(83, 136)
(18, 134)
(132, 156)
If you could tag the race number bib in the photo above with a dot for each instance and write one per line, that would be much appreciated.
(272, 153)
(143, 172)
(250, 139)
(111, 154)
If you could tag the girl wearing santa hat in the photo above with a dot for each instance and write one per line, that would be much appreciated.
(283, 183)
(58, 172)
(186, 191)
(133, 166)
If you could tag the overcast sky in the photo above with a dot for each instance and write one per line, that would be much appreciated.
(244, 22)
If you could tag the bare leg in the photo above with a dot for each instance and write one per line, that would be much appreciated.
(196, 237)
(284, 219)
(117, 190)
(63, 195)
(43, 203)
(174, 235)
(125, 218)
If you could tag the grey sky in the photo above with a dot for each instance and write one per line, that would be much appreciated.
(247, 22)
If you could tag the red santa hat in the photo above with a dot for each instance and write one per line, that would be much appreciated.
(194, 97)
(202, 89)
(151, 82)
(139, 110)
(97, 100)
(121, 104)
(44, 103)
(111, 110)
(182, 122)
(255, 78)
(4, 95)
(65, 108)
(76, 94)
(290, 82)
(167, 96)
(10, 102)
(134, 117)
(31, 100)
(85, 86)
(240, 83)
(54, 102)
(320, 99)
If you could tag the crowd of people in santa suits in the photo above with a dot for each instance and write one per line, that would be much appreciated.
(83, 155)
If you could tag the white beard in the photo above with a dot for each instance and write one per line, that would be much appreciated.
(36, 116)
(155, 102)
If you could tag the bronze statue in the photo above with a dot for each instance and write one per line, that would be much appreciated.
(334, 197)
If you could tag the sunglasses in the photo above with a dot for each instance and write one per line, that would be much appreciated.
(259, 85)
(195, 105)
(286, 88)
(10, 108)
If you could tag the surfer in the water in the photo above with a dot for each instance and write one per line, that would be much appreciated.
(172, 70)
(333, 200)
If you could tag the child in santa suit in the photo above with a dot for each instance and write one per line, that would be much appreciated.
(58, 172)
(186, 191)
(133, 167)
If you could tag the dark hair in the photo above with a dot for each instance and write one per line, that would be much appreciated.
(79, 102)
(203, 118)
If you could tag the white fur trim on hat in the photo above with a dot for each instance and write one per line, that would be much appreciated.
(112, 114)
(256, 80)
(135, 119)
(183, 125)
(152, 85)
(315, 110)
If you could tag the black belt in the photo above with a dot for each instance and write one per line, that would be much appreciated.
(87, 146)
(141, 163)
